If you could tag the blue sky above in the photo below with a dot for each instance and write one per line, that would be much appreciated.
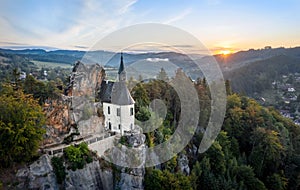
(219, 24)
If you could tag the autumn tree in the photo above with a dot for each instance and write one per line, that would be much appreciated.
(21, 122)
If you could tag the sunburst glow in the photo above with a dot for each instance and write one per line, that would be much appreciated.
(225, 52)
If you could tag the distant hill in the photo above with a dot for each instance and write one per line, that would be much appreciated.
(259, 75)
(8, 62)
(249, 71)
(152, 61)
(242, 58)
(62, 56)
(253, 71)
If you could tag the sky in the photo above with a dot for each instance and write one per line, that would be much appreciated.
(221, 25)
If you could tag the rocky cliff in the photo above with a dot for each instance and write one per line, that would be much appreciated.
(76, 111)
(77, 114)
(90, 177)
(131, 177)
(40, 175)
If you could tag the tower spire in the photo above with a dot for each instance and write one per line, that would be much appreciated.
(121, 72)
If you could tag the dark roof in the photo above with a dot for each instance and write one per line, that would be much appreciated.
(120, 95)
(121, 68)
(116, 92)
(105, 91)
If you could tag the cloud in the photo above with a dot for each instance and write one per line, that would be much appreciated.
(126, 7)
(155, 60)
(98, 18)
(180, 16)
(184, 46)
(81, 47)
(65, 25)
(13, 43)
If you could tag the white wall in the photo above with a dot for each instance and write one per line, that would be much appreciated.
(125, 119)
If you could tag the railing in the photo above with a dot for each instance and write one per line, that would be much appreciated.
(53, 149)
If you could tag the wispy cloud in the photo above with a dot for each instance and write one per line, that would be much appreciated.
(78, 25)
(184, 46)
(98, 18)
(180, 16)
(81, 47)
(13, 43)
(126, 7)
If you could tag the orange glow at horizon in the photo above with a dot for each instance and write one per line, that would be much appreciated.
(225, 52)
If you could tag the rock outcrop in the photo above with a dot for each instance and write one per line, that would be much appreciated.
(183, 163)
(59, 120)
(90, 177)
(40, 175)
(131, 177)
(76, 111)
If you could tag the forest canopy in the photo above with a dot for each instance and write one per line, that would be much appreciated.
(21, 122)
(257, 148)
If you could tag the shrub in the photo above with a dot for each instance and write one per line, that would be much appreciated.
(59, 169)
(78, 156)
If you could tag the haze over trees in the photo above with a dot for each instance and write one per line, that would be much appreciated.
(256, 149)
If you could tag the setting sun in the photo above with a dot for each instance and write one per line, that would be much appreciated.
(225, 52)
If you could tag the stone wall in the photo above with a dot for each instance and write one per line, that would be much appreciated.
(101, 146)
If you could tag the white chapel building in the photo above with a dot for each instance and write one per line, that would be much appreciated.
(118, 109)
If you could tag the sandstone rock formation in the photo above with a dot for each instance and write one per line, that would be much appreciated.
(183, 163)
(76, 111)
(90, 177)
(132, 177)
(40, 175)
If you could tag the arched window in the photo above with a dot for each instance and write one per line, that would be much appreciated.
(109, 125)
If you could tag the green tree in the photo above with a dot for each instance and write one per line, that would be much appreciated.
(217, 158)
(162, 75)
(228, 87)
(21, 122)
(267, 150)
(51, 90)
(246, 178)
(157, 179)
(153, 179)
(59, 169)
(140, 96)
(143, 114)
(78, 156)
(276, 182)
(195, 175)
(16, 78)
(37, 88)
